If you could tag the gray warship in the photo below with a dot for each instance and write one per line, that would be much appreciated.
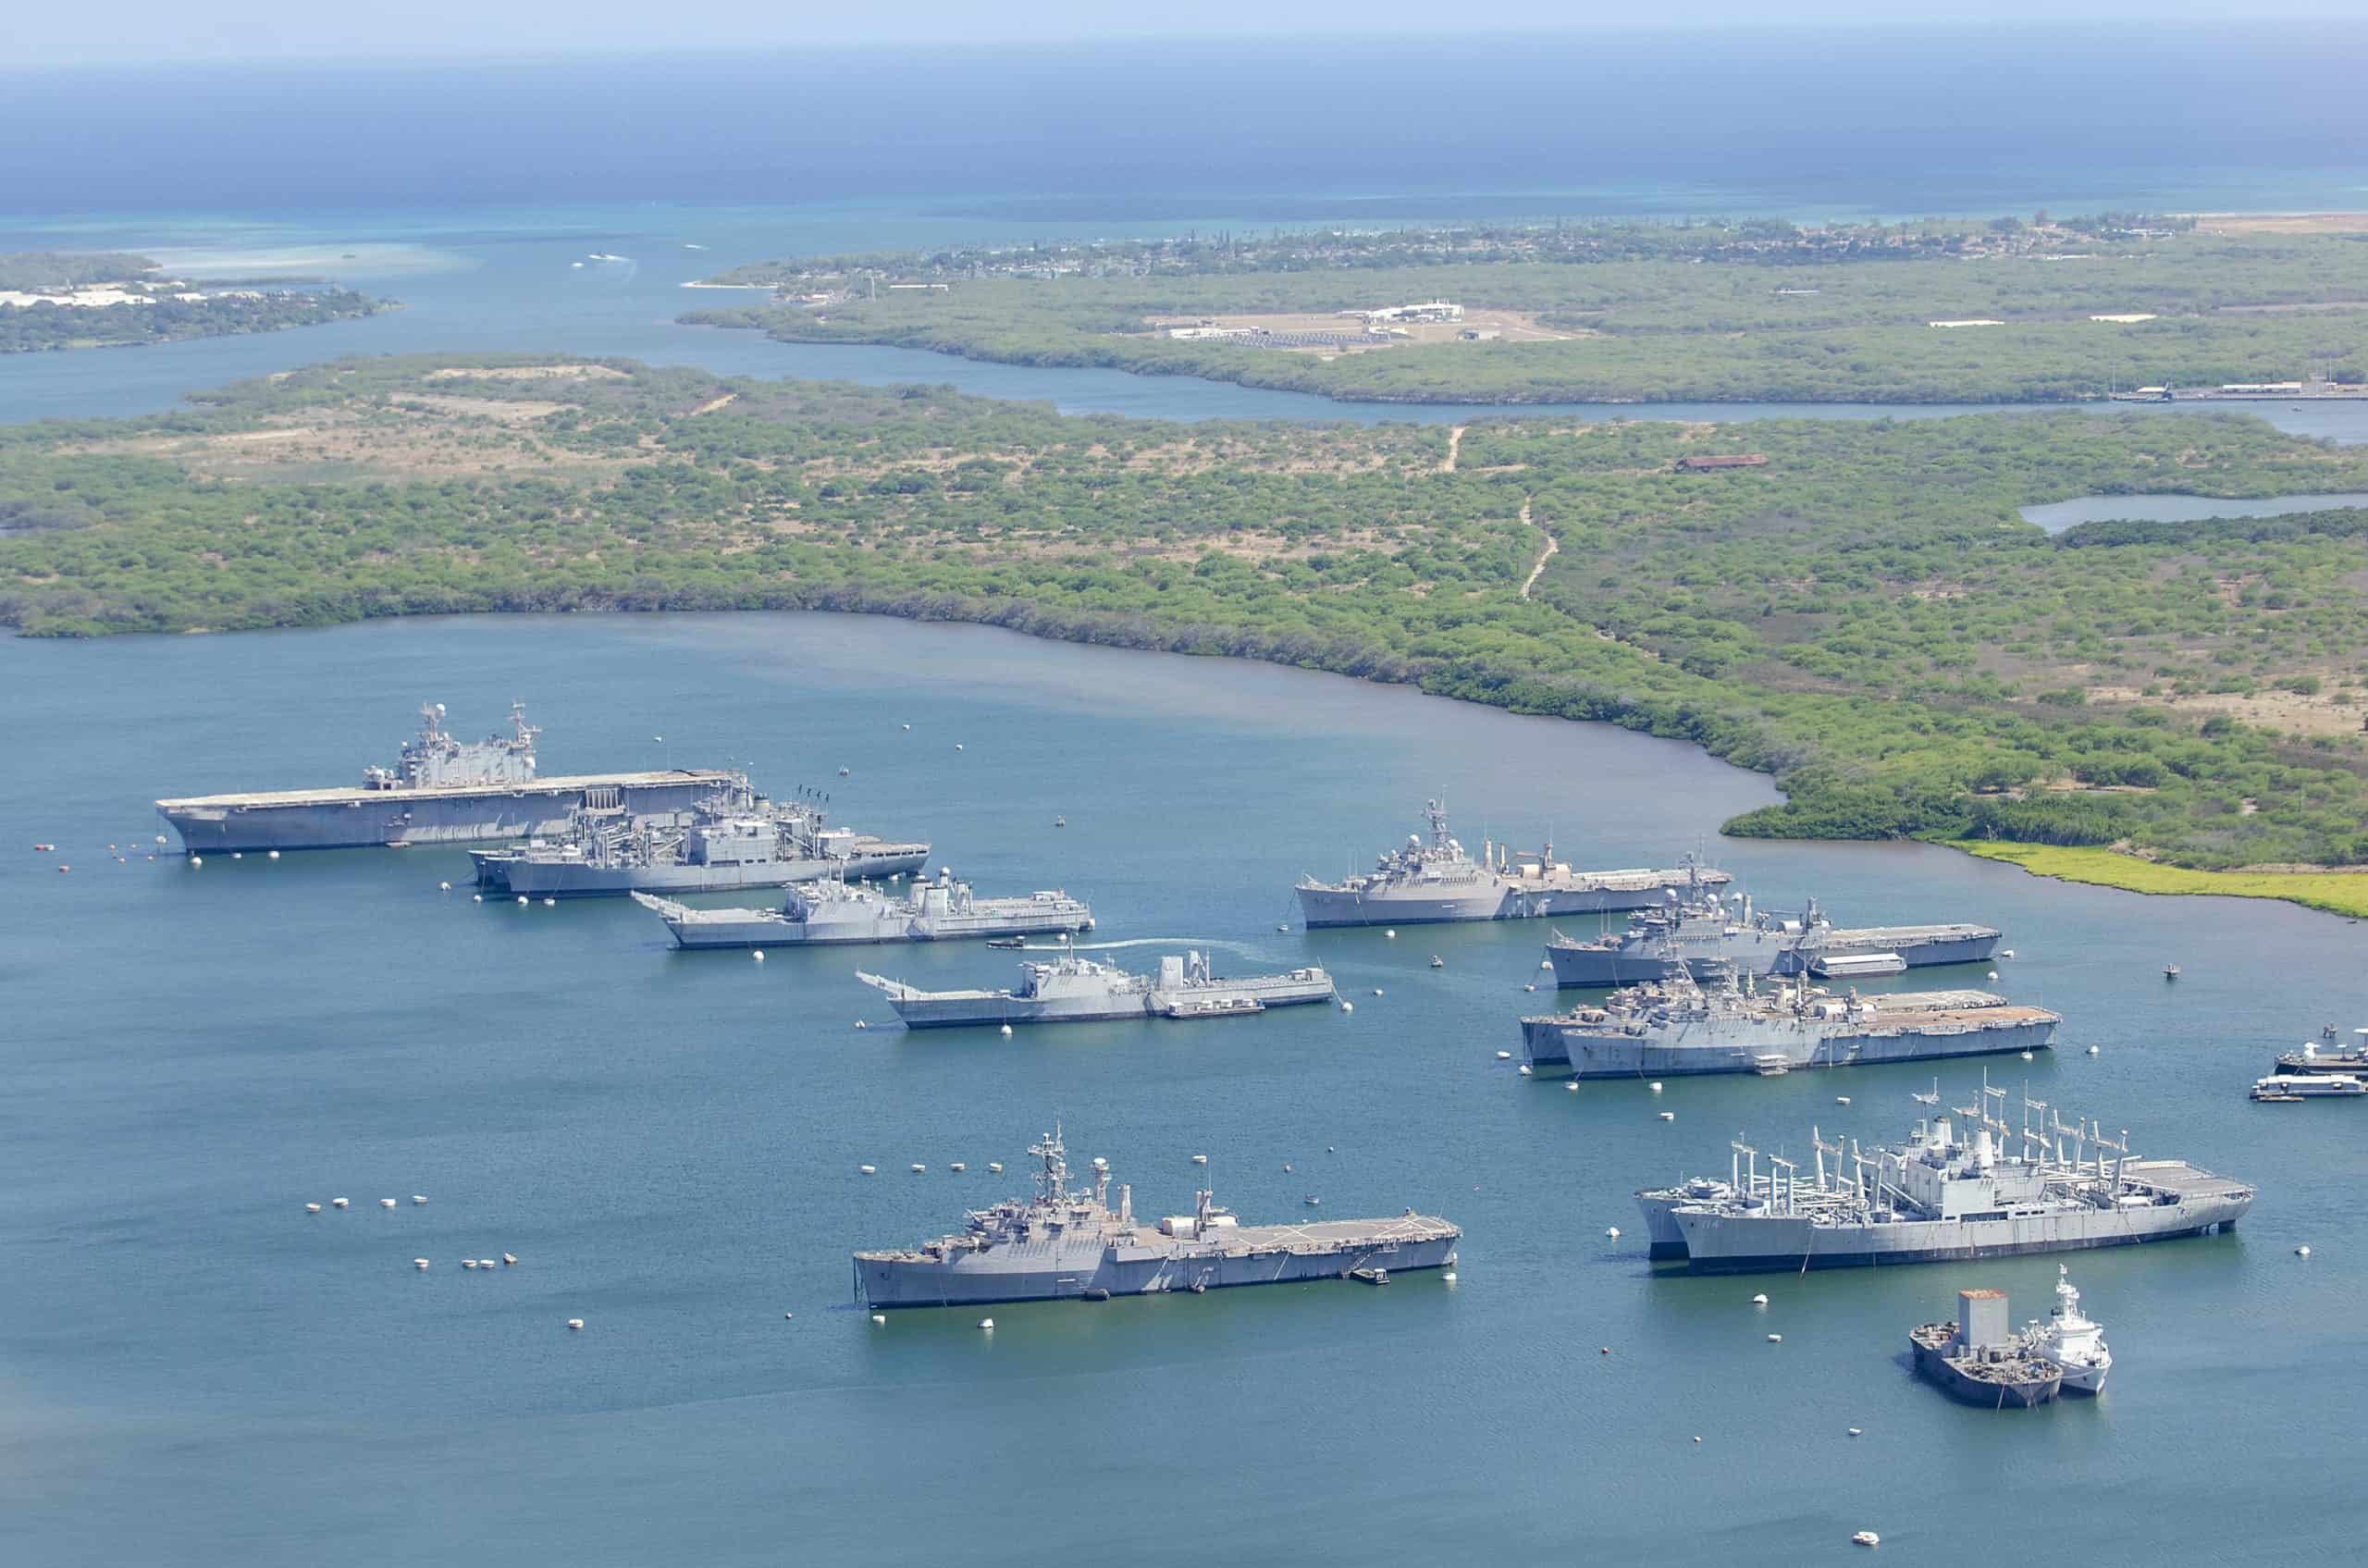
(441, 791)
(1940, 1196)
(1076, 989)
(1425, 883)
(1061, 1244)
(729, 839)
(838, 910)
(1671, 1027)
(1697, 927)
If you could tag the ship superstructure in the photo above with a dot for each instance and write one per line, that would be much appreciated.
(1726, 1023)
(836, 910)
(1060, 1243)
(441, 790)
(1696, 927)
(1073, 988)
(1428, 882)
(729, 839)
(1971, 1187)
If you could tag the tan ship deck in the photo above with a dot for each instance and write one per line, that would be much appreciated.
(2193, 1184)
(555, 783)
(1945, 1020)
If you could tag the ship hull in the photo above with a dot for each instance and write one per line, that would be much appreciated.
(970, 1010)
(721, 928)
(372, 819)
(1693, 1049)
(1323, 907)
(1723, 1244)
(562, 879)
(1758, 953)
(2023, 1393)
(1131, 1271)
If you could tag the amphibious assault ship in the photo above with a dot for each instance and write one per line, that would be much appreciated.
(838, 910)
(1942, 1197)
(1424, 884)
(441, 791)
(1076, 989)
(1696, 927)
(1063, 1244)
(729, 839)
(1667, 1029)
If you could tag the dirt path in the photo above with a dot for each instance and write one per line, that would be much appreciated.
(1552, 544)
(712, 404)
(1454, 439)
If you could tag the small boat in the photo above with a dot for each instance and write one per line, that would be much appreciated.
(1437, 962)
(2170, 971)
(1006, 942)
(1060, 822)
(1370, 1276)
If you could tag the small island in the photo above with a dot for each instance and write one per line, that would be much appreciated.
(65, 299)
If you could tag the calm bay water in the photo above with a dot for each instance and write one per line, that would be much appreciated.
(2056, 516)
(198, 1372)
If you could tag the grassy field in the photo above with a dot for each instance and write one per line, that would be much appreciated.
(1862, 613)
(2336, 892)
(1644, 313)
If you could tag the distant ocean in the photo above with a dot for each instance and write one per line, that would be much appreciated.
(1108, 136)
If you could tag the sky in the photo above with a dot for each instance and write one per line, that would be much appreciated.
(148, 31)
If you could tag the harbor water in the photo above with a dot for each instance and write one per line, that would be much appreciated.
(198, 1371)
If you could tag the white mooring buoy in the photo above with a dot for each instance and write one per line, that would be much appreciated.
(522, 900)
(419, 1262)
(1572, 1086)
(2092, 1050)
(443, 887)
(1504, 1056)
(878, 1318)
(987, 1322)
(1348, 1006)
(386, 1202)
(1006, 1032)
(1656, 1086)
(1669, 1115)
(758, 954)
(419, 1197)
(1613, 1233)
(338, 1203)
(275, 854)
(311, 1208)
(549, 903)
(1524, 1070)
(1775, 1339)
(575, 1322)
(2301, 1252)
(1759, 1300)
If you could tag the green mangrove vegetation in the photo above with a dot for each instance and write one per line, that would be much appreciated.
(60, 300)
(1861, 613)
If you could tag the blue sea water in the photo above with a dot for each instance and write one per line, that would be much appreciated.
(197, 1372)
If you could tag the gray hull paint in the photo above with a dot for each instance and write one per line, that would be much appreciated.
(1758, 953)
(1679, 1052)
(757, 927)
(558, 879)
(1323, 907)
(1046, 1272)
(394, 818)
(1718, 1245)
(964, 1011)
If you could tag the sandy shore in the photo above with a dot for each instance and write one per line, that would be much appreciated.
(2281, 223)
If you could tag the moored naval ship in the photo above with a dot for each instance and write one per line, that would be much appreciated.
(1076, 989)
(1424, 884)
(441, 791)
(1697, 927)
(838, 910)
(1667, 1029)
(729, 839)
(2326, 1057)
(1943, 1196)
(1061, 1244)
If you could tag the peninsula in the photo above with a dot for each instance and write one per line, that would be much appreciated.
(59, 300)
(2003, 311)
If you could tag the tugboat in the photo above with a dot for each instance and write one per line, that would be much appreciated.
(2073, 1345)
